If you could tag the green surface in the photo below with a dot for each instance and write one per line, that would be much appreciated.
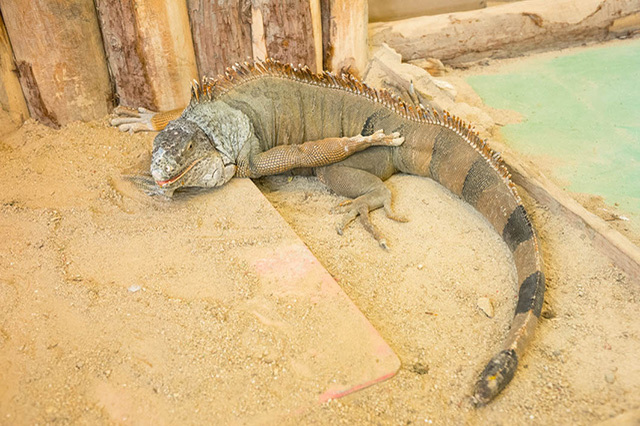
(581, 114)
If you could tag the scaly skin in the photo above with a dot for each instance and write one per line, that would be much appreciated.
(212, 142)
(259, 118)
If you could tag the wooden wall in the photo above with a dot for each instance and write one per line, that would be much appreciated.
(66, 60)
(344, 35)
(221, 33)
(150, 51)
(59, 57)
(11, 97)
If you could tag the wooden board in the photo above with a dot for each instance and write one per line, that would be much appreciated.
(290, 313)
(121, 43)
(150, 51)
(607, 240)
(58, 50)
(316, 22)
(226, 32)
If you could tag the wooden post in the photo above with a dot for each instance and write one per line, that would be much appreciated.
(258, 40)
(221, 33)
(11, 97)
(288, 31)
(150, 51)
(124, 53)
(316, 23)
(344, 35)
(229, 31)
(59, 54)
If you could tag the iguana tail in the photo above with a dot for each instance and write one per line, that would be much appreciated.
(488, 187)
(464, 164)
(522, 241)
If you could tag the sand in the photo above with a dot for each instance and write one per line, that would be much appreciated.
(97, 331)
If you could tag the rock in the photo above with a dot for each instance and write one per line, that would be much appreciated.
(630, 418)
(419, 368)
(387, 71)
(610, 377)
(433, 66)
(548, 313)
(446, 86)
(485, 305)
(416, 86)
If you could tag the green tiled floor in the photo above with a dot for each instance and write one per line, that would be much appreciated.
(581, 111)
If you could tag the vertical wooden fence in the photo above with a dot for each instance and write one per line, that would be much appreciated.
(149, 50)
(59, 58)
(66, 60)
(11, 97)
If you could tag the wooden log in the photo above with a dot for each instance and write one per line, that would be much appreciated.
(150, 51)
(258, 40)
(503, 31)
(221, 33)
(344, 35)
(288, 30)
(121, 44)
(392, 10)
(59, 53)
(227, 31)
(11, 97)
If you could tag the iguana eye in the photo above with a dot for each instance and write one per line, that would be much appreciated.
(189, 146)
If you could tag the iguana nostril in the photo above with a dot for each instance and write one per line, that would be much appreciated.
(156, 175)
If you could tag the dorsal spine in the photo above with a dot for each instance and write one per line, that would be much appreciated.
(209, 89)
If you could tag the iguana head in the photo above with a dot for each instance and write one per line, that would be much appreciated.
(183, 155)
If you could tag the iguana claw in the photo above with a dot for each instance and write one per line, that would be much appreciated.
(133, 120)
(361, 206)
(380, 138)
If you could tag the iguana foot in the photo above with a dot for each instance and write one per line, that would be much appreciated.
(133, 120)
(380, 138)
(361, 206)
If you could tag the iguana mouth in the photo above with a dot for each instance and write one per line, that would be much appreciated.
(162, 183)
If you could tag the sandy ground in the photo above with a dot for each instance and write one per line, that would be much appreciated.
(107, 317)
(122, 308)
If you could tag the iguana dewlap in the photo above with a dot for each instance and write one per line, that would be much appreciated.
(266, 118)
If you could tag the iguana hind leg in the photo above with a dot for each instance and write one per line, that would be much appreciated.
(369, 191)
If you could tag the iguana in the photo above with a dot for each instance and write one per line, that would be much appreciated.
(265, 118)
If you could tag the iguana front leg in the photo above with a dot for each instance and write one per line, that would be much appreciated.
(142, 119)
(311, 154)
